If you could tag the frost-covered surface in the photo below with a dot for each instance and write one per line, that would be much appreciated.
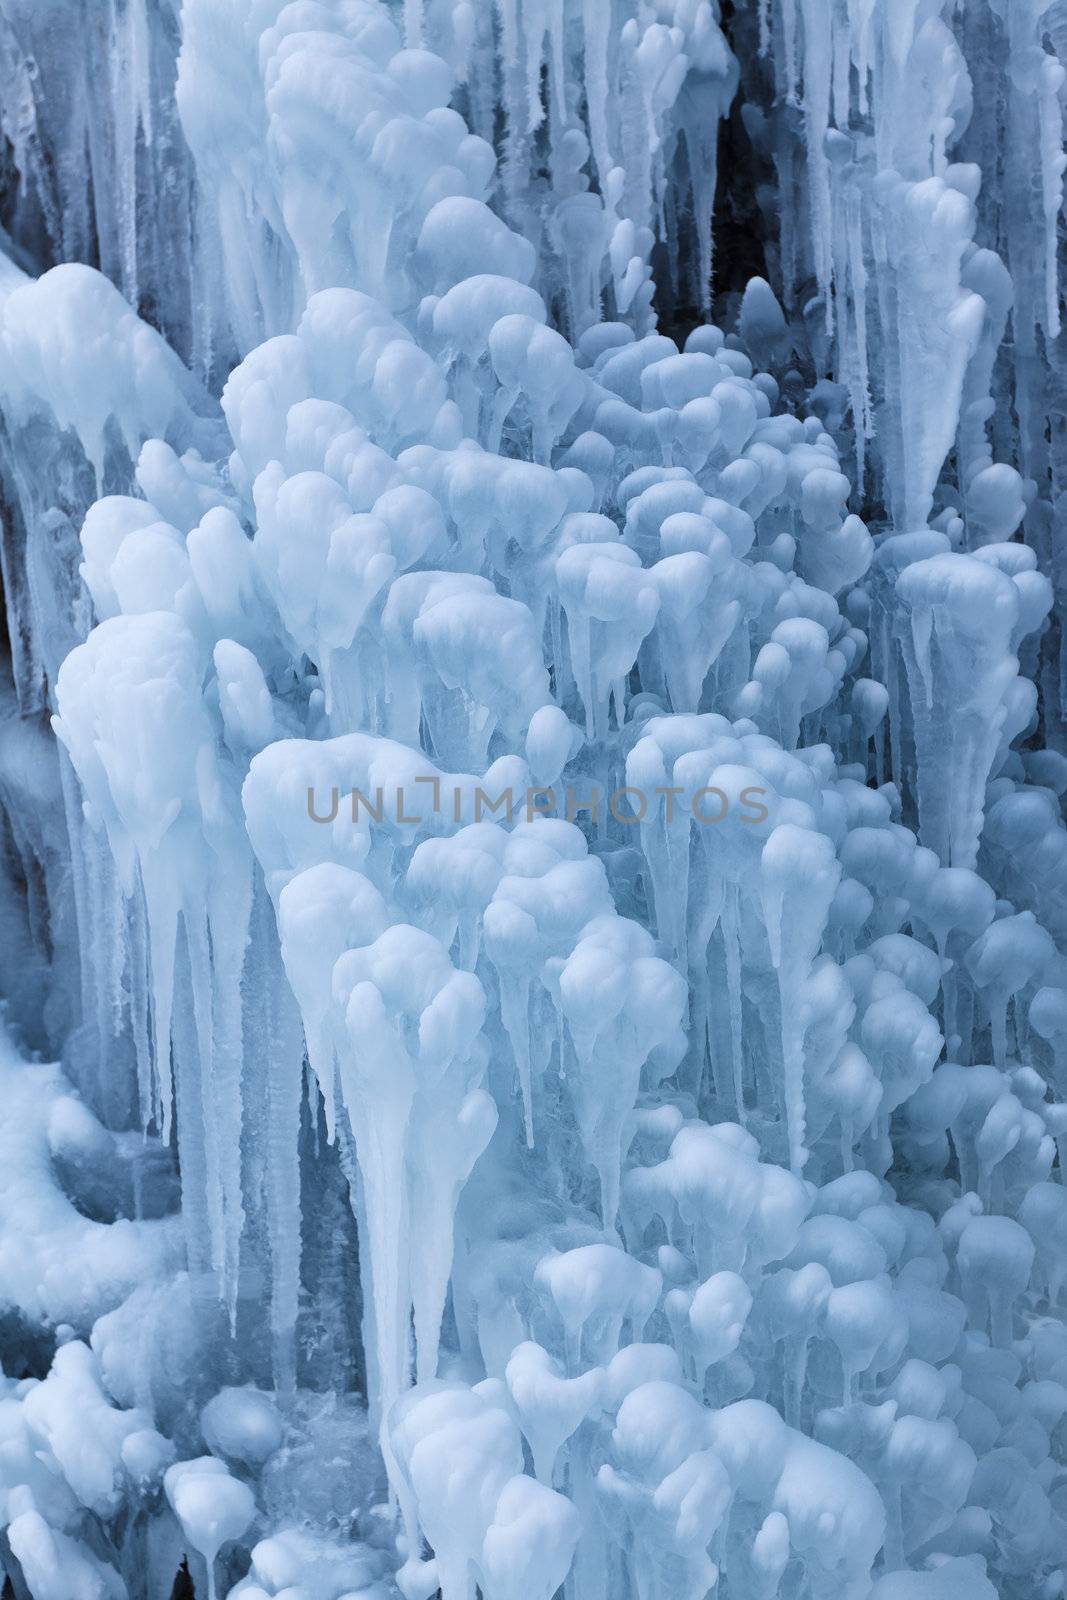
(532, 820)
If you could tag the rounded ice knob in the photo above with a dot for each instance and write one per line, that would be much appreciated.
(212, 1507)
(242, 1424)
(550, 740)
(994, 1259)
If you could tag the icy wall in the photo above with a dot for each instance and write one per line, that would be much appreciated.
(531, 820)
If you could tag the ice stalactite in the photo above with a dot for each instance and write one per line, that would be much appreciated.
(103, 173)
(885, 101)
(795, 924)
(975, 604)
(178, 846)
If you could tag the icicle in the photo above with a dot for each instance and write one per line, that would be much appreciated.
(818, 71)
(452, 1130)
(534, 25)
(515, 1015)
(800, 875)
(731, 942)
(228, 921)
(596, 24)
(413, 24)
(203, 1024)
(789, 48)
(957, 631)
(1051, 78)
(283, 1079)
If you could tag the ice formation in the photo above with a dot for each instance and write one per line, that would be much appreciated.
(533, 889)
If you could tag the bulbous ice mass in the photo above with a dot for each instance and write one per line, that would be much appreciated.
(533, 876)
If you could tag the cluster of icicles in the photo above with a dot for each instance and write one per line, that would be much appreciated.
(706, 1157)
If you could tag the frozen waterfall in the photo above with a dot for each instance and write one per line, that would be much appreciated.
(533, 865)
